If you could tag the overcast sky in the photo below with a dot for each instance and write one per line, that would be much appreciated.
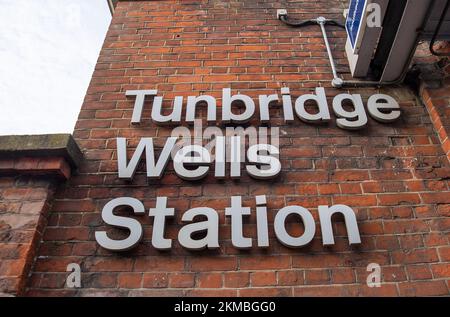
(48, 51)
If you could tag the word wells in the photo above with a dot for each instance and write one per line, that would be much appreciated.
(193, 161)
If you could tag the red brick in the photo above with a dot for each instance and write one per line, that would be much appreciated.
(350, 176)
(99, 280)
(236, 279)
(74, 205)
(290, 278)
(436, 198)
(425, 288)
(313, 277)
(213, 263)
(441, 270)
(266, 278)
(264, 263)
(149, 264)
(155, 280)
(393, 274)
(415, 256)
(181, 280)
(419, 272)
(224, 293)
(265, 292)
(342, 276)
(398, 199)
(209, 280)
(326, 189)
(27, 163)
(108, 264)
(444, 253)
(6, 164)
(130, 280)
(354, 200)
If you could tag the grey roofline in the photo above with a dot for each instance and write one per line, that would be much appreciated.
(111, 5)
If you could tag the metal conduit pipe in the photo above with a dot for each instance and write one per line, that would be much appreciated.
(337, 81)
(321, 21)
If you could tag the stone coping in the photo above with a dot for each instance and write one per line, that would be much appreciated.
(41, 146)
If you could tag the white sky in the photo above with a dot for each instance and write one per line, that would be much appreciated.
(48, 51)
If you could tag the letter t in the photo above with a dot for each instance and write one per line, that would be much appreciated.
(159, 223)
(139, 103)
(236, 211)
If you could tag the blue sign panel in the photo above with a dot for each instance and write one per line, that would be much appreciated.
(354, 18)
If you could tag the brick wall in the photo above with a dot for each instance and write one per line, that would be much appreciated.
(27, 185)
(438, 105)
(395, 176)
(20, 233)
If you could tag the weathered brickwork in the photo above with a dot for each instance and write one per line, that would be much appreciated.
(438, 105)
(26, 188)
(395, 176)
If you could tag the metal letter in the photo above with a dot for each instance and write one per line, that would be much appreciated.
(235, 160)
(220, 157)
(153, 171)
(236, 211)
(267, 160)
(202, 159)
(227, 101)
(211, 226)
(264, 102)
(287, 104)
(354, 120)
(175, 116)
(374, 105)
(192, 103)
(325, 214)
(261, 222)
(280, 229)
(131, 224)
(139, 102)
(160, 212)
(321, 100)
